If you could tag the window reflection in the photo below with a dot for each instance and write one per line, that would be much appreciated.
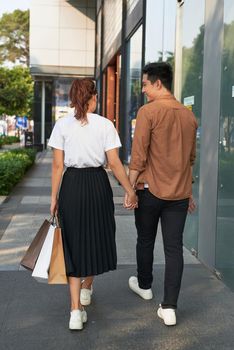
(160, 31)
(192, 71)
(134, 85)
(154, 31)
(225, 220)
(131, 4)
(99, 38)
(112, 24)
(61, 97)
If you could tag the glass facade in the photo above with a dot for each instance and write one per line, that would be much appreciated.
(112, 23)
(225, 210)
(160, 31)
(99, 39)
(191, 94)
(37, 110)
(61, 98)
(131, 4)
(133, 86)
(154, 29)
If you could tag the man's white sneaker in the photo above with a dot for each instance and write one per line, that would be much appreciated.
(77, 318)
(143, 293)
(167, 315)
(85, 296)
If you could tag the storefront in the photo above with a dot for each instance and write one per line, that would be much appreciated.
(201, 50)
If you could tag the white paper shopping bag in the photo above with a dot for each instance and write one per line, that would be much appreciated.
(40, 272)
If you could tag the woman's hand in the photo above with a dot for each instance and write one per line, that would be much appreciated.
(54, 207)
(130, 200)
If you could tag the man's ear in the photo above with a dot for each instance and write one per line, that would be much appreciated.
(158, 84)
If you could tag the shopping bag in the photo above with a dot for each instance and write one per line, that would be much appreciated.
(57, 270)
(30, 258)
(40, 272)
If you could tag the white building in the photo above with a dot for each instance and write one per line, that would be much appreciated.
(62, 47)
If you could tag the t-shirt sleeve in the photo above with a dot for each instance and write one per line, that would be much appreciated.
(56, 138)
(112, 139)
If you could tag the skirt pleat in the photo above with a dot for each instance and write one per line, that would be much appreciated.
(86, 214)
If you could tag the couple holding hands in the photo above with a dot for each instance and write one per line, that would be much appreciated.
(159, 186)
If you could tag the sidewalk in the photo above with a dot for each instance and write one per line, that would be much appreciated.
(35, 316)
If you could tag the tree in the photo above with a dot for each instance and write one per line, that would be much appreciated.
(16, 91)
(14, 37)
(193, 71)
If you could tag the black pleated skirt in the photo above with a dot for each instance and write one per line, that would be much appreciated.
(86, 215)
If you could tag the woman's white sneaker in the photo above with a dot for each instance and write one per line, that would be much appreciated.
(77, 319)
(85, 296)
(167, 315)
(143, 293)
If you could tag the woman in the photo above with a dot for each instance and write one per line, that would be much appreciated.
(83, 142)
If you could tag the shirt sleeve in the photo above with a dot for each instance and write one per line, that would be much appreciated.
(56, 138)
(112, 139)
(141, 141)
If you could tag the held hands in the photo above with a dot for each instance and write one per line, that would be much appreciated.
(130, 200)
(53, 207)
(192, 205)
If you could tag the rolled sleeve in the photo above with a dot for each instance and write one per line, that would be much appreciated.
(56, 139)
(141, 141)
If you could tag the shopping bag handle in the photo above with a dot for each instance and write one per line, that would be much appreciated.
(54, 220)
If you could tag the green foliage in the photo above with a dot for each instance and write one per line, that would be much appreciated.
(16, 91)
(193, 71)
(14, 37)
(8, 140)
(13, 165)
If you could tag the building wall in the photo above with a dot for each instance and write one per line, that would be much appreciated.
(62, 37)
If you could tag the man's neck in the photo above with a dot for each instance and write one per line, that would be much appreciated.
(163, 94)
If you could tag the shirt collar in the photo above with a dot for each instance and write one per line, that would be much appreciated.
(165, 97)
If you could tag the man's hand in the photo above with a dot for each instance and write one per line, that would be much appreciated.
(192, 205)
(53, 207)
(130, 200)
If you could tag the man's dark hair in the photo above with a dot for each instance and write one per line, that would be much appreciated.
(161, 71)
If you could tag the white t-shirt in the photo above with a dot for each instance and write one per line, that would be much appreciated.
(84, 145)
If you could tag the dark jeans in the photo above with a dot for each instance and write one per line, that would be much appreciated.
(172, 214)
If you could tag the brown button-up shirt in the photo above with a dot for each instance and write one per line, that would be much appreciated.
(164, 148)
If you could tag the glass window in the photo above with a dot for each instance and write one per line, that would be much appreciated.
(154, 31)
(169, 31)
(133, 86)
(160, 31)
(131, 4)
(98, 109)
(61, 97)
(192, 71)
(112, 22)
(225, 217)
(99, 38)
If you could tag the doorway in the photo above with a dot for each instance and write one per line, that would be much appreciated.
(111, 83)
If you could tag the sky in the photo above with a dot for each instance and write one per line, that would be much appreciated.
(11, 5)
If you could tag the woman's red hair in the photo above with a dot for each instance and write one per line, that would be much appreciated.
(81, 92)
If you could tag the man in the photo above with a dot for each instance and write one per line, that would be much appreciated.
(163, 153)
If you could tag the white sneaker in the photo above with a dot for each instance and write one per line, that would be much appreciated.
(167, 315)
(144, 293)
(77, 319)
(85, 296)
